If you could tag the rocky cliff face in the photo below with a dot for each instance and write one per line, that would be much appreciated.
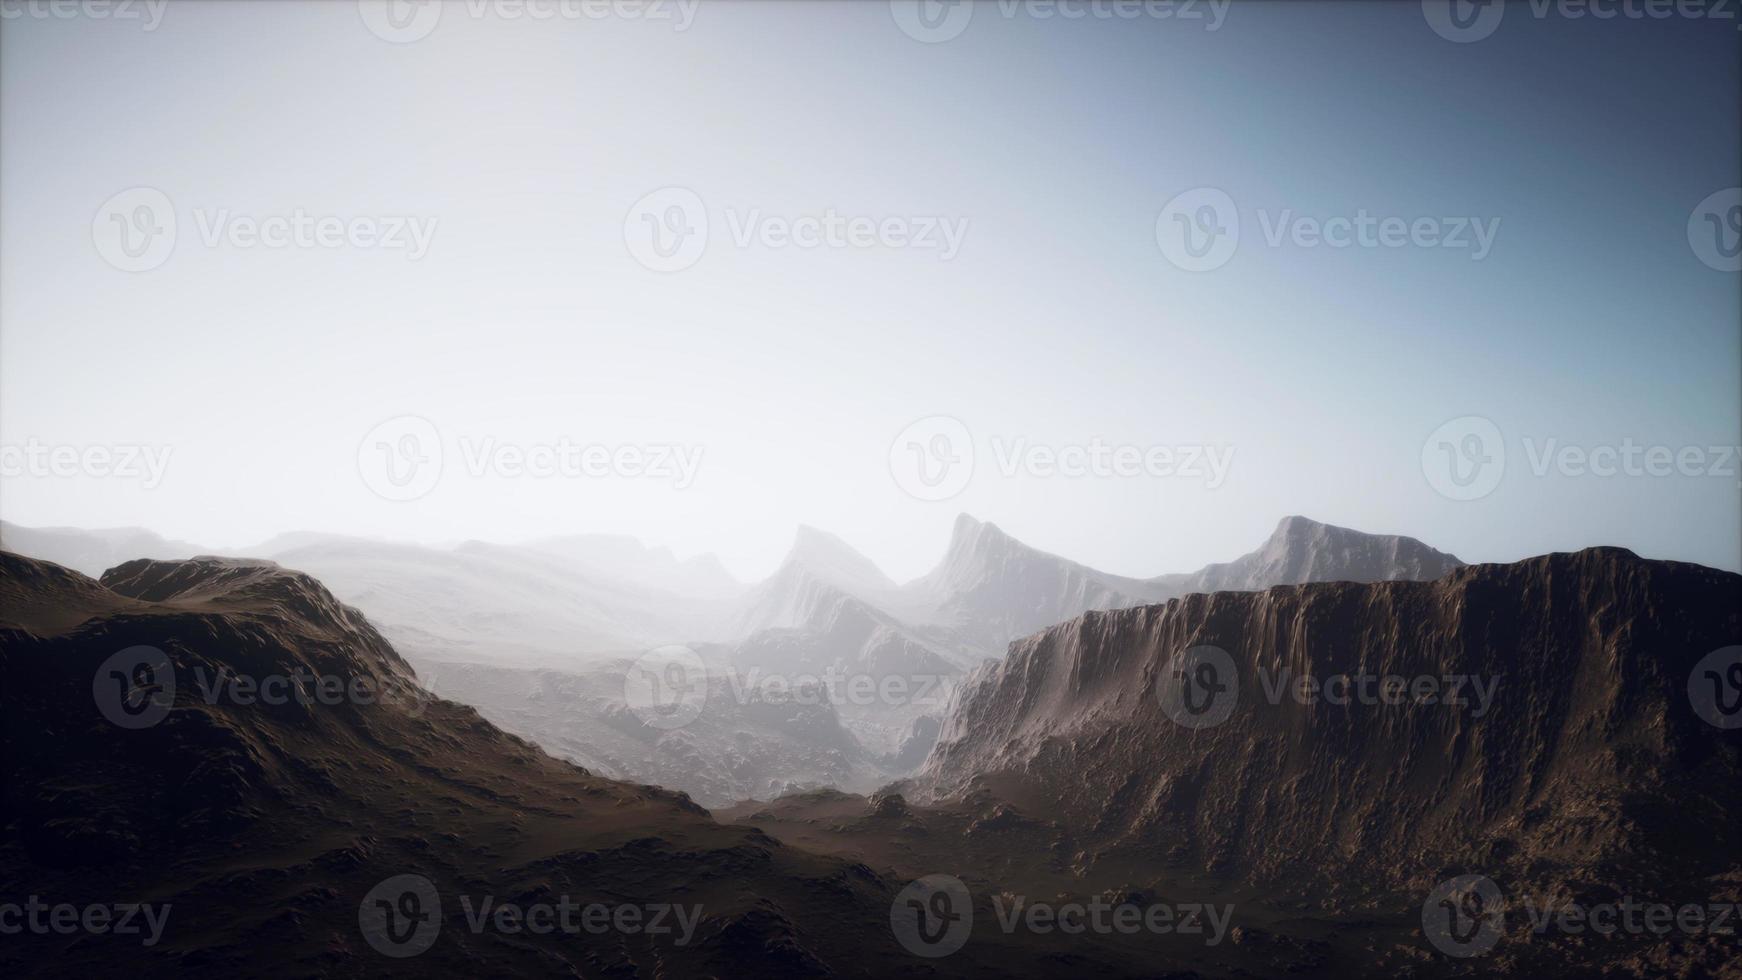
(1576, 745)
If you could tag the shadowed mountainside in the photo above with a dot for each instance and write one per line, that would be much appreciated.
(264, 826)
(1576, 773)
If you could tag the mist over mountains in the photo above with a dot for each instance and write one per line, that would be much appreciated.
(825, 674)
(1563, 755)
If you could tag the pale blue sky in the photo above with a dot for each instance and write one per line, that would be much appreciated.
(1591, 320)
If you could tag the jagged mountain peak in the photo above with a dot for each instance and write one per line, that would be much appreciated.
(970, 535)
(1304, 550)
(836, 562)
(977, 546)
(993, 588)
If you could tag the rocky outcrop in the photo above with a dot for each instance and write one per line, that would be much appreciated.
(1575, 743)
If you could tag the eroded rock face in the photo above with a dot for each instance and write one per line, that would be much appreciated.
(1584, 748)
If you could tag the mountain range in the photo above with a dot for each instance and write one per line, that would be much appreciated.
(540, 636)
(1562, 757)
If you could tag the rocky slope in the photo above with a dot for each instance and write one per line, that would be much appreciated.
(1584, 750)
(262, 828)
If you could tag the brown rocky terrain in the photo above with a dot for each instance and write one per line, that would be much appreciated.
(1576, 771)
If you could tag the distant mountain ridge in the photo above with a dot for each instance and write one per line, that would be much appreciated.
(91, 552)
(1302, 550)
